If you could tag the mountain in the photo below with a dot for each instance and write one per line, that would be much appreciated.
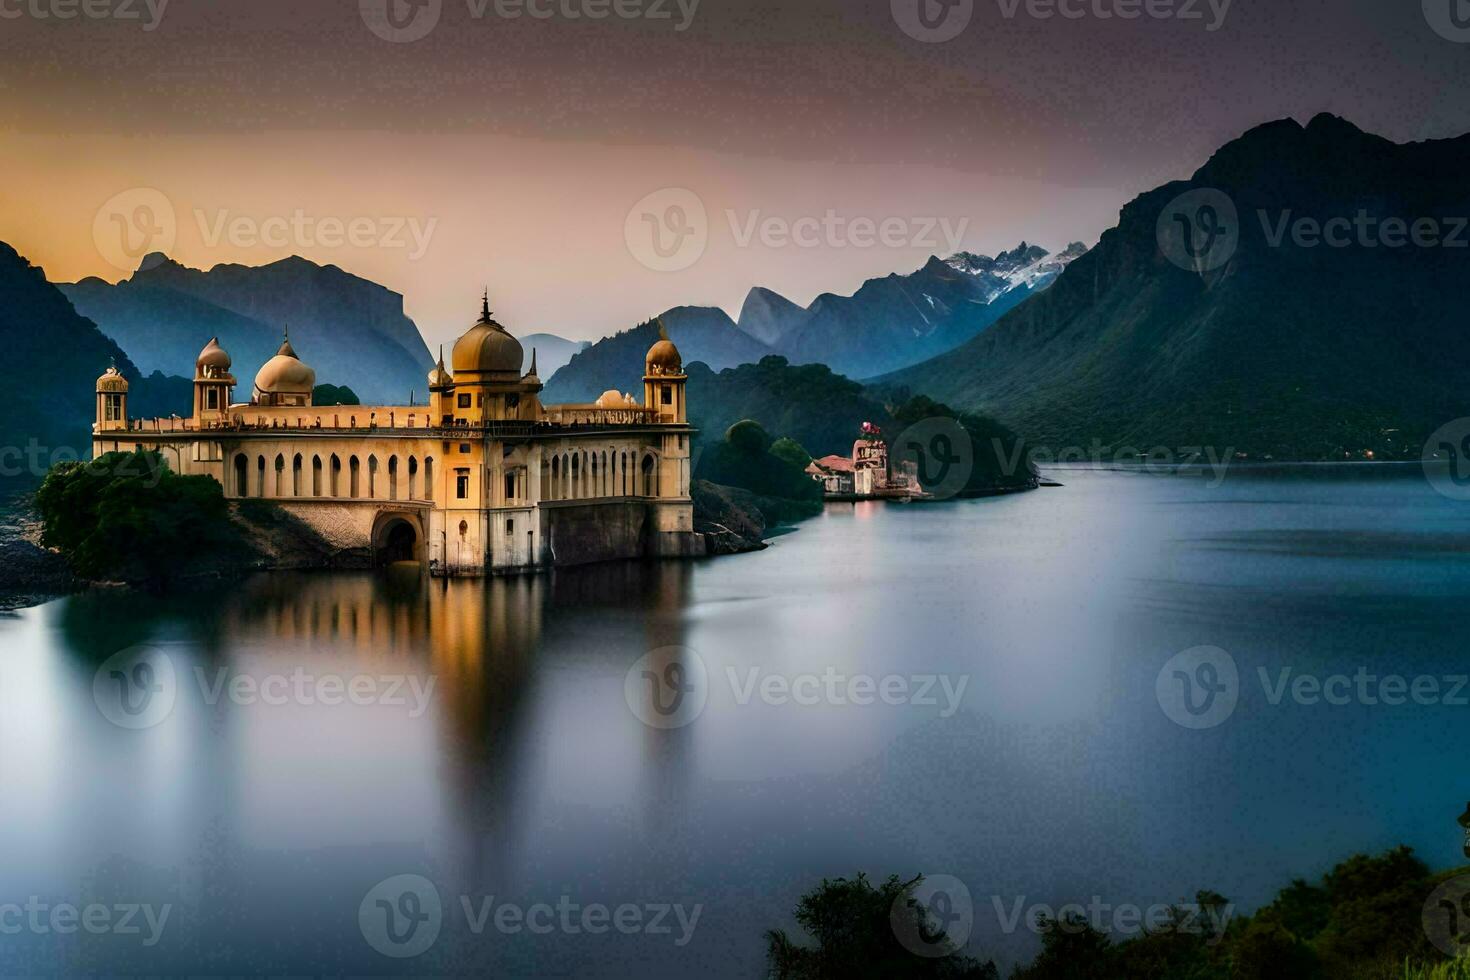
(821, 410)
(552, 352)
(899, 320)
(48, 376)
(353, 331)
(768, 316)
(702, 334)
(1285, 346)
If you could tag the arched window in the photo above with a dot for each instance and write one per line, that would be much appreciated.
(392, 477)
(336, 477)
(604, 488)
(372, 478)
(316, 476)
(242, 470)
(413, 477)
(623, 471)
(260, 476)
(280, 475)
(650, 477)
(354, 476)
(296, 476)
(576, 476)
(554, 491)
(428, 477)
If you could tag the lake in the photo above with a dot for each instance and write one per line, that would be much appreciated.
(637, 769)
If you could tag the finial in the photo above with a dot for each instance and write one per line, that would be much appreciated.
(663, 331)
(533, 361)
(441, 355)
(485, 307)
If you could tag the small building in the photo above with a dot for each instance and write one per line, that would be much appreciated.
(835, 474)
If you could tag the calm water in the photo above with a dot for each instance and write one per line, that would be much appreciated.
(525, 775)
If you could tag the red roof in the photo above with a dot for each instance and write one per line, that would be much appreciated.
(839, 464)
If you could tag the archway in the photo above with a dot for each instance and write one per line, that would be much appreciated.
(397, 539)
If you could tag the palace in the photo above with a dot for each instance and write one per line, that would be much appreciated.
(482, 480)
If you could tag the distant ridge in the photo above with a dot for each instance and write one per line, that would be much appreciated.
(352, 330)
(1286, 349)
(48, 376)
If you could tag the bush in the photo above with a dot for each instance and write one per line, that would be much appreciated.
(854, 926)
(746, 460)
(128, 516)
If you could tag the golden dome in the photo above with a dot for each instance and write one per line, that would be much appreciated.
(212, 360)
(112, 382)
(486, 348)
(285, 374)
(663, 357)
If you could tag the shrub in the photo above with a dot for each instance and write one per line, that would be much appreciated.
(128, 516)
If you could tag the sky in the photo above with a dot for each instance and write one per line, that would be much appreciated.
(594, 162)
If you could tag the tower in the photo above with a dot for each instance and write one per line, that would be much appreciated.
(664, 378)
(213, 383)
(112, 401)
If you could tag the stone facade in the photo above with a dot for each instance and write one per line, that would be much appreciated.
(483, 479)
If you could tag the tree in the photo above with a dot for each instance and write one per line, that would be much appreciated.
(791, 451)
(745, 459)
(856, 928)
(128, 516)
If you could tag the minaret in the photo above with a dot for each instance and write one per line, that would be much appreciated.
(112, 400)
(213, 383)
(664, 378)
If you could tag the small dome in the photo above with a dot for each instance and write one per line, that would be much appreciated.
(612, 398)
(112, 382)
(285, 374)
(663, 357)
(486, 348)
(213, 359)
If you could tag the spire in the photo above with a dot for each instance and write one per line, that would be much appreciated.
(485, 307)
(533, 362)
(441, 357)
(663, 331)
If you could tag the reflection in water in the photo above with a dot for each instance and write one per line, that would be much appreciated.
(527, 776)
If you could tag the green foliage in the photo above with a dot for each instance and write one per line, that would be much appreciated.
(128, 516)
(1362, 922)
(790, 450)
(745, 460)
(326, 396)
(999, 454)
(818, 409)
(748, 437)
(855, 926)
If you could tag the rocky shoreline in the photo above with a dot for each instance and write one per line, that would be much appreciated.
(29, 574)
